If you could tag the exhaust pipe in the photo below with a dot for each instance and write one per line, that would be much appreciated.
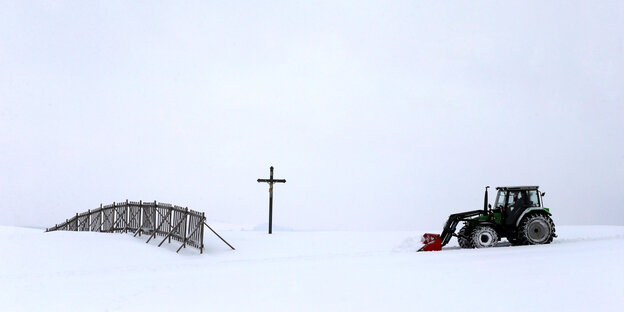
(485, 200)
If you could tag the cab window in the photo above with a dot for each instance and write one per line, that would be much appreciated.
(533, 199)
(500, 200)
(512, 198)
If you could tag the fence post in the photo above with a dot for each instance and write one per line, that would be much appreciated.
(155, 217)
(171, 219)
(101, 219)
(201, 249)
(140, 217)
(113, 216)
(127, 216)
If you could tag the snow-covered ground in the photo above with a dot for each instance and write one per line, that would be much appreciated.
(583, 270)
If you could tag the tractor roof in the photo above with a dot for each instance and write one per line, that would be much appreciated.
(517, 188)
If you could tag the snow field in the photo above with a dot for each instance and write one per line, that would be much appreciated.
(308, 271)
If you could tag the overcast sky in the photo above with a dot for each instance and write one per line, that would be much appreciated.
(381, 115)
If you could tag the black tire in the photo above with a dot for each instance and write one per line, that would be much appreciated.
(536, 229)
(463, 238)
(484, 236)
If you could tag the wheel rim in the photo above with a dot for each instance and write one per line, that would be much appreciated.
(485, 239)
(538, 231)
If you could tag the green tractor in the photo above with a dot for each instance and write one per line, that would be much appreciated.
(518, 214)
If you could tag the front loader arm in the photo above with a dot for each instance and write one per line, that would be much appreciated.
(451, 224)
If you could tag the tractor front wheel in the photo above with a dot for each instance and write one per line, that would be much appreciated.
(484, 236)
(536, 229)
(463, 238)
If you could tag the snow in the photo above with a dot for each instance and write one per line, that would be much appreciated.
(308, 271)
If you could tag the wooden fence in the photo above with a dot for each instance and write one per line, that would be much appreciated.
(149, 218)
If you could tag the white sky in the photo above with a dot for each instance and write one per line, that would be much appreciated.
(381, 115)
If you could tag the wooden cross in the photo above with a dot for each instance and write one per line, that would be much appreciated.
(271, 181)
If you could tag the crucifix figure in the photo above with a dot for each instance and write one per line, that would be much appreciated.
(271, 181)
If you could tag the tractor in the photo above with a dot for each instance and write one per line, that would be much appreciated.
(518, 215)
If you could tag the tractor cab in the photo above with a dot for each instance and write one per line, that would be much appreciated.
(513, 201)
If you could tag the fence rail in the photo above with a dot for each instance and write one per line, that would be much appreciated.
(149, 218)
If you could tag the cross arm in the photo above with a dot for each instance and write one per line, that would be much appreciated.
(272, 180)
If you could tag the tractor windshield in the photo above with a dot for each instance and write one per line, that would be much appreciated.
(500, 200)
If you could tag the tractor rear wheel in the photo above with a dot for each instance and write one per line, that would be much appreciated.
(536, 229)
(484, 236)
(463, 238)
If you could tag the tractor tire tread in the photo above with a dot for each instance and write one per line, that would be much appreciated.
(478, 231)
(522, 236)
(463, 237)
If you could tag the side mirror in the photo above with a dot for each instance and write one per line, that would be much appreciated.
(543, 193)
(490, 206)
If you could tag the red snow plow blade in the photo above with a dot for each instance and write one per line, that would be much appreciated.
(432, 242)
